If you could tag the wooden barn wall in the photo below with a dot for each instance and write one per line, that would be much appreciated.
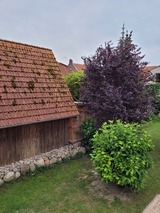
(21, 142)
(75, 122)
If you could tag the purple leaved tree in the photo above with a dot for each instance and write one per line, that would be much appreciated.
(114, 84)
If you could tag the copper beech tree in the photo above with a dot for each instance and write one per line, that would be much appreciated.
(114, 83)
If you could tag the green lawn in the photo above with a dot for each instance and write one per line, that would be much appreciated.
(65, 188)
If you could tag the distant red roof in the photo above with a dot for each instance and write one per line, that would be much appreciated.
(147, 71)
(148, 68)
(32, 89)
(72, 67)
(79, 66)
(63, 68)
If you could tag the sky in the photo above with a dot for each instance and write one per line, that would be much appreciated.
(76, 28)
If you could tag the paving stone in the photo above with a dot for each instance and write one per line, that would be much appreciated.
(153, 206)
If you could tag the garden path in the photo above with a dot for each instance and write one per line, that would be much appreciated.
(153, 206)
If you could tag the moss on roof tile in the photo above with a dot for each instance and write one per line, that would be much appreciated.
(31, 85)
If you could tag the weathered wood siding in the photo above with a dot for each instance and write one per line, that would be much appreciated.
(75, 122)
(26, 141)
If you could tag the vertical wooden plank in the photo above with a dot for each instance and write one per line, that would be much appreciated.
(18, 143)
(65, 138)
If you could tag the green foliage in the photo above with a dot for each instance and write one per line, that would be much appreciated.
(154, 91)
(31, 85)
(157, 104)
(154, 88)
(73, 81)
(45, 190)
(87, 132)
(153, 118)
(114, 86)
(7, 64)
(13, 83)
(76, 156)
(121, 153)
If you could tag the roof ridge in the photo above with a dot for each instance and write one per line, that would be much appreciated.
(62, 64)
(78, 64)
(24, 44)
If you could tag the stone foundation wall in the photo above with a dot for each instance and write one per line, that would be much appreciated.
(15, 170)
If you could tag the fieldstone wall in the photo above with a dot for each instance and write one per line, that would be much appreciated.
(15, 170)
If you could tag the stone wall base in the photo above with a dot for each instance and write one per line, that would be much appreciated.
(15, 170)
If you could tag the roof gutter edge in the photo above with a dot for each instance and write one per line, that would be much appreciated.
(39, 121)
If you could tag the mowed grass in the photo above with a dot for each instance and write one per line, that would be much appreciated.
(65, 188)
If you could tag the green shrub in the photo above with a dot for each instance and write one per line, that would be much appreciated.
(153, 118)
(157, 104)
(87, 132)
(73, 81)
(153, 90)
(121, 153)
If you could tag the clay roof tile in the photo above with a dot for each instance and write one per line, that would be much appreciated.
(32, 88)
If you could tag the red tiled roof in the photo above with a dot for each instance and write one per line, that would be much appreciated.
(148, 68)
(79, 66)
(63, 68)
(32, 89)
(147, 71)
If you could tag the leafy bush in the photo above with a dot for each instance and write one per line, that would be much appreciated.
(154, 91)
(154, 88)
(121, 153)
(153, 118)
(157, 104)
(73, 81)
(87, 132)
